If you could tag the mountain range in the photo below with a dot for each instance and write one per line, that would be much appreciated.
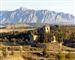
(23, 15)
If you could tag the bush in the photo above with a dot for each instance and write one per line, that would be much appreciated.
(61, 56)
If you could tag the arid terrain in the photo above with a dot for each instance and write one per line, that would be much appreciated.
(18, 44)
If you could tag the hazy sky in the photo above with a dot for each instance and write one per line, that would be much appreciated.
(66, 6)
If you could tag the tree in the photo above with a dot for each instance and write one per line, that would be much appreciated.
(72, 36)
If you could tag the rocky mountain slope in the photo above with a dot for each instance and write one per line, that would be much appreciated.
(23, 15)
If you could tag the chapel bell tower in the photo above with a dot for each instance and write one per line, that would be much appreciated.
(46, 33)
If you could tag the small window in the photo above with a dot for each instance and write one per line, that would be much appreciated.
(47, 28)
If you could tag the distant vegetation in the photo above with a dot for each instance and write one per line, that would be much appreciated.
(64, 34)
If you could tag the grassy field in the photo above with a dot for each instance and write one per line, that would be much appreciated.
(52, 52)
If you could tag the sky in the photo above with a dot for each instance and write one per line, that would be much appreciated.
(66, 6)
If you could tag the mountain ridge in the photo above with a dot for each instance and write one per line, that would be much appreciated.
(24, 15)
